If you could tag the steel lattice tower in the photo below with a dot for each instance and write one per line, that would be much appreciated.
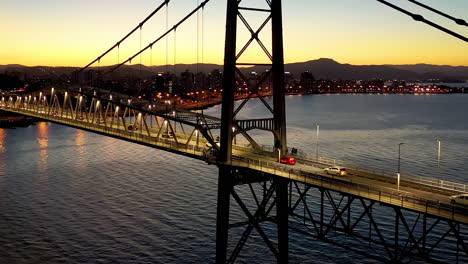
(229, 175)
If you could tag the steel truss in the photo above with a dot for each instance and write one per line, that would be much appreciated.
(413, 235)
(179, 131)
(231, 124)
(271, 197)
(379, 231)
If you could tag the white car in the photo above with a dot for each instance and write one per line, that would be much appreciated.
(338, 171)
(459, 199)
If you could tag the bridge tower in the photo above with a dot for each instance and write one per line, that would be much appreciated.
(230, 176)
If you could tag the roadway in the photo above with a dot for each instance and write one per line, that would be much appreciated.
(372, 186)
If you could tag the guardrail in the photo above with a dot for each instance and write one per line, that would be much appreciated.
(124, 133)
(432, 182)
(381, 194)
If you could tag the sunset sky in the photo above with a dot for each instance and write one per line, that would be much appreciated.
(73, 33)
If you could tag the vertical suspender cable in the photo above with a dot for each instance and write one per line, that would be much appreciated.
(174, 28)
(140, 77)
(151, 57)
(198, 35)
(97, 73)
(129, 34)
(167, 39)
(203, 40)
(175, 51)
(141, 62)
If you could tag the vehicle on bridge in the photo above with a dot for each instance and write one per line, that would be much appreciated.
(336, 171)
(459, 199)
(288, 160)
(132, 128)
(170, 134)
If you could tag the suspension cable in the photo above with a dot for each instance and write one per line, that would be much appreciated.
(128, 35)
(422, 19)
(459, 21)
(161, 37)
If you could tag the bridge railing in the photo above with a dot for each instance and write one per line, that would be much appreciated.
(382, 194)
(427, 181)
(199, 151)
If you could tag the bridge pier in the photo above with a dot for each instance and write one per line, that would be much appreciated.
(282, 214)
(268, 193)
(225, 180)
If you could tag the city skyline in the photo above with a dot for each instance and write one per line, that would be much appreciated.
(69, 33)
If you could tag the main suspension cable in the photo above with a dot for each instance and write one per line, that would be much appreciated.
(161, 37)
(422, 19)
(128, 35)
(459, 21)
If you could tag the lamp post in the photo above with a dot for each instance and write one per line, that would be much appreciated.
(317, 143)
(439, 142)
(398, 172)
(234, 135)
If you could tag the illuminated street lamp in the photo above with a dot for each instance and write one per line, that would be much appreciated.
(438, 159)
(317, 145)
(398, 172)
(234, 135)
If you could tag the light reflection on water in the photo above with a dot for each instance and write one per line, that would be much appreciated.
(43, 141)
(3, 133)
(76, 197)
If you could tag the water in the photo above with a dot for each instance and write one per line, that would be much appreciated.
(69, 196)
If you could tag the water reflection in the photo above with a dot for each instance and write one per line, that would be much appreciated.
(3, 134)
(43, 140)
(80, 141)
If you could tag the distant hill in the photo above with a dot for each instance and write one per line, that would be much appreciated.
(330, 69)
(321, 68)
(443, 71)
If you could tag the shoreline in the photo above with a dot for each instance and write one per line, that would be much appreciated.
(206, 104)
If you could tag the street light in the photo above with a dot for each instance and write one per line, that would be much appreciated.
(317, 144)
(398, 172)
(438, 160)
(234, 135)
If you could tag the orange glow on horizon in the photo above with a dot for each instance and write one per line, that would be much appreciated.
(60, 36)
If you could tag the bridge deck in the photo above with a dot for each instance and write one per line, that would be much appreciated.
(412, 196)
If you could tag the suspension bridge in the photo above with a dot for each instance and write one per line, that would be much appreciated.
(302, 198)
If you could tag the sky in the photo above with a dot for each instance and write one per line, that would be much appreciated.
(73, 33)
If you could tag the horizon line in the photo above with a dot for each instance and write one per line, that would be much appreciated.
(298, 62)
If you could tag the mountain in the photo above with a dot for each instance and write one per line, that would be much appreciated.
(320, 68)
(444, 71)
(329, 69)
